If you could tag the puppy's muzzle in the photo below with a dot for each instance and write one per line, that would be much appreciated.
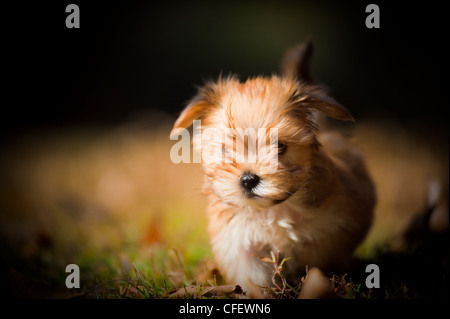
(249, 181)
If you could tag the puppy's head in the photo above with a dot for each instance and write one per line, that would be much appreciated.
(246, 128)
(257, 137)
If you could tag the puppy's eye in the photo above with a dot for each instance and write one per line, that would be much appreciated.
(282, 148)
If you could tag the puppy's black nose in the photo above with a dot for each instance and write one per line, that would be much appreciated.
(249, 181)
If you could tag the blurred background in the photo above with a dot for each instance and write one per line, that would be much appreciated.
(85, 171)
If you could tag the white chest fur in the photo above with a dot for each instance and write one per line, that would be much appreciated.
(249, 235)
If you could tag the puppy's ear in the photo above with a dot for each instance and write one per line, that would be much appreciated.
(296, 62)
(196, 109)
(192, 112)
(314, 97)
(328, 106)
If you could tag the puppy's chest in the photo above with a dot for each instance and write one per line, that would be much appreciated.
(260, 232)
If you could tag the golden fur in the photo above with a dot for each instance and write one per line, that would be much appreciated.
(316, 208)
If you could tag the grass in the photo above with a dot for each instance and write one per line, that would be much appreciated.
(112, 202)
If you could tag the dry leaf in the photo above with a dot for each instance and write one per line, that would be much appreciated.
(225, 290)
(316, 286)
(229, 291)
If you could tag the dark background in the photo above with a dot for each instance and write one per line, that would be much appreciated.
(132, 58)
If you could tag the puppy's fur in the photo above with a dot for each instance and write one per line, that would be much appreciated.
(316, 208)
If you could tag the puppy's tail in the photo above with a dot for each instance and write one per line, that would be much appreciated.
(296, 62)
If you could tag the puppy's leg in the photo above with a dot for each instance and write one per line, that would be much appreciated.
(237, 259)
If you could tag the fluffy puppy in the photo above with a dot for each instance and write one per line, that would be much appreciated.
(315, 208)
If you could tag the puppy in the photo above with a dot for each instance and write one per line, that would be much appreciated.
(314, 208)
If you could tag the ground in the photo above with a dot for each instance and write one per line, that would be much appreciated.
(111, 201)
